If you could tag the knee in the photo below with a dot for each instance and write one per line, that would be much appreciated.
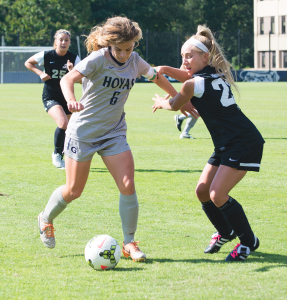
(127, 187)
(217, 197)
(202, 192)
(70, 194)
(63, 124)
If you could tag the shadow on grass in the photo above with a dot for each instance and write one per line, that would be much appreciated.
(104, 170)
(275, 261)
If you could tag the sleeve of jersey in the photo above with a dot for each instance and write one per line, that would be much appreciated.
(146, 70)
(77, 60)
(198, 86)
(39, 58)
(89, 65)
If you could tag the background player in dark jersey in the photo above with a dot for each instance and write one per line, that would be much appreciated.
(238, 144)
(57, 63)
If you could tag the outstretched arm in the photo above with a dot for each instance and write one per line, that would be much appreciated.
(178, 101)
(164, 84)
(178, 74)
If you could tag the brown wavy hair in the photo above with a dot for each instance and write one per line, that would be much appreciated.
(115, 30)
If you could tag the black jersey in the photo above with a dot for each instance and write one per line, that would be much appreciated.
(228, 126)
(56, 66)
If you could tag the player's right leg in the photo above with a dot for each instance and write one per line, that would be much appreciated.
(190, 122)
(224, 232)
(76, 178)
(59, 115)
(121, 167)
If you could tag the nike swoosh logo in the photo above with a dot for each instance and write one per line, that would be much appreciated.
(101, 244)
(51, 62)
(233, 159)
(111, 67)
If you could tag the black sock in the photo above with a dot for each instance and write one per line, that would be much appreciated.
(216, 217)
(236, 218)
(59, 139)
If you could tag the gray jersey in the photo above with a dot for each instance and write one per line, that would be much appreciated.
(106, 87)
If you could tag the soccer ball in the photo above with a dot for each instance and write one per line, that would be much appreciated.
(103, 252)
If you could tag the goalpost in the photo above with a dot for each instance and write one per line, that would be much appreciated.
(13, 69)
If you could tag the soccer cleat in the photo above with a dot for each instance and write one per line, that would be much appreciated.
(46, 233)
(178, 122)
(132, 250)
(217, 241)
(241, 252)
(186, 136)
(58, 160)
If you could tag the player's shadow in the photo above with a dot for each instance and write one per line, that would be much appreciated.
(104, 170)
(274, 260)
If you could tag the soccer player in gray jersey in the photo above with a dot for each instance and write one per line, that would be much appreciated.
(98, 124)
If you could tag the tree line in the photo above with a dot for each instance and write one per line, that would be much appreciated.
(26, 22)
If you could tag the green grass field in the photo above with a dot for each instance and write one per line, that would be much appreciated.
(172, 228)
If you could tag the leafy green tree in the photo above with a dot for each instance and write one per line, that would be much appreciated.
(35, 20)
(154, 15)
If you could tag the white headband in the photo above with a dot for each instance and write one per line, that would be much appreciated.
(198, 44)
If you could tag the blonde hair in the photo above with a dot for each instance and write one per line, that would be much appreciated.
(115, 30)
(216, 57)
(59, 32)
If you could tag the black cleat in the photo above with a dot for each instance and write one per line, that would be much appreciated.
(241, 252)
(178, 122)
(217, 241)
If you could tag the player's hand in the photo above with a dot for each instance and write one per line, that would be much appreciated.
(189, 108)
(158, 102)
(159, 69)
(74, 106)
(44, 76)
(70, 65)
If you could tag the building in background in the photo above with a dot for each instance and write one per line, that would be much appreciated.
(270, 35)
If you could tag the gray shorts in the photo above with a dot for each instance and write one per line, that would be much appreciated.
(81, 151)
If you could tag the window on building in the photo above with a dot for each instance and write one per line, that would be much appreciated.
(283, 24)
(273, 55)
(263, 59)
(284, 59)
(261, 25)
(272, 25)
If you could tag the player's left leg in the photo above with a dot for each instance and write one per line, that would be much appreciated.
(190, 122)
(224, 232)
(121, 167)
(225, 179)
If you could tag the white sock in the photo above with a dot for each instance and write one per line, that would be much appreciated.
(55, 206)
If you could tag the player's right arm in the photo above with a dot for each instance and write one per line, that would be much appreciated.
(178, 74)
(67, 86)
(31, 63)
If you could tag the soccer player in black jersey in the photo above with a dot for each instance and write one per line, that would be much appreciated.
(237, 142)
(57, 63)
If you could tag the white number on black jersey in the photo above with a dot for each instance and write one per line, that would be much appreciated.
(227, 98)
(57, 74)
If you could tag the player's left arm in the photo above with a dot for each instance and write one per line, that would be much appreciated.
(178, 101)
(164, 84)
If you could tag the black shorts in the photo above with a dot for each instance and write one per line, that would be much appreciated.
(50, 103)
(248, 159)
